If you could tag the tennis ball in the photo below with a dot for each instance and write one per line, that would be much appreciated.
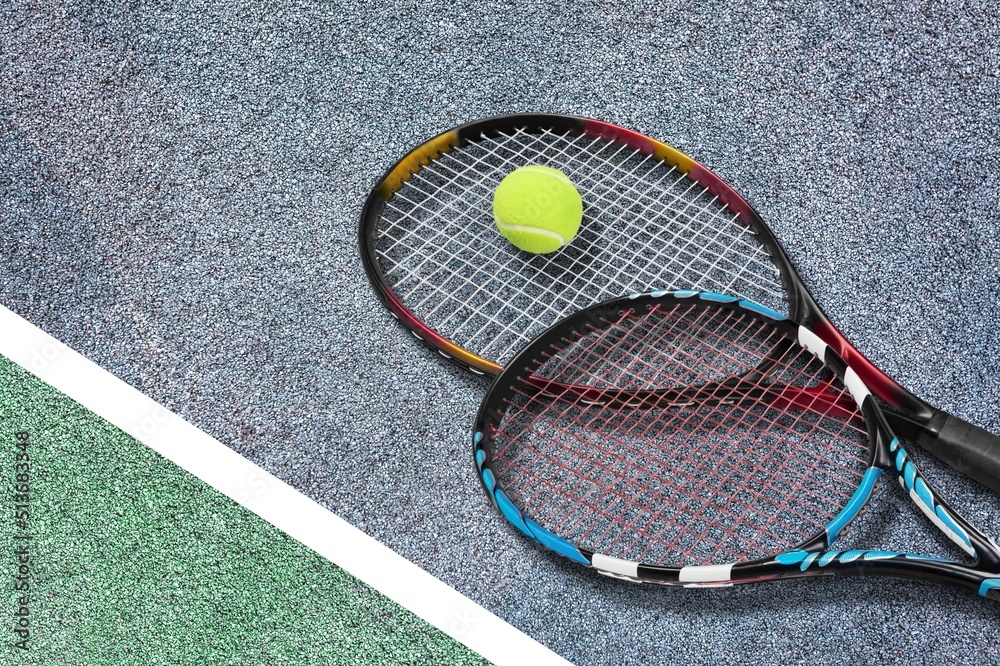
(537, 209)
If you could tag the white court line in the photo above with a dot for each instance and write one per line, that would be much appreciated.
(267, 496)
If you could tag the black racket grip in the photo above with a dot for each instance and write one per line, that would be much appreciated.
(968, 448)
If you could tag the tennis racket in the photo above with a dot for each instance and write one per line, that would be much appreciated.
(653, 219)
(694, 439)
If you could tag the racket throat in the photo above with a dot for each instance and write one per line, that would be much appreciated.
(922, 429)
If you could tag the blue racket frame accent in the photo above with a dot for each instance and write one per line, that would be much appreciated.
(515, 517)
(854, 505)
(924, 497)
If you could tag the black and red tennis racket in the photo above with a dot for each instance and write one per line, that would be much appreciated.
(653, 219)
(694, 439)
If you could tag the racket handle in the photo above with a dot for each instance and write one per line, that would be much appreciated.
(968, 448)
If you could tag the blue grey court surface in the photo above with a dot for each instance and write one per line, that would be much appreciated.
(180, 186)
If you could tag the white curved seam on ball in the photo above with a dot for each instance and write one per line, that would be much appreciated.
(544, 232)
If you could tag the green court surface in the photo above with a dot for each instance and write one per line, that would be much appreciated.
(122, 557)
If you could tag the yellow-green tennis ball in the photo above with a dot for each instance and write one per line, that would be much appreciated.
(537, 209)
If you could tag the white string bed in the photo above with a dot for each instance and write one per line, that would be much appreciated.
(645, 226)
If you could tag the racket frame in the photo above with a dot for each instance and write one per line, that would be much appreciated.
(802, 307)
(967, 448)
(815, 555)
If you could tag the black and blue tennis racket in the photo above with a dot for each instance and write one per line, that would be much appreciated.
(695, 439)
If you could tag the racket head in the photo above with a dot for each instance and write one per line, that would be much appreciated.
(747, 445)
(653, 219)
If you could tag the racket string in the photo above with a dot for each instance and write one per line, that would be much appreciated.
(664, 359)
(681, 190)
(440, 278)
(742, 480)
(694, 324)
(692, 510)
(443, 258)
(681, 528)
(484, 202)
(601, 487)
(538, 299)
(687, 193)
(513, 323)
(648, 357)
(733, 518)
(614, 178)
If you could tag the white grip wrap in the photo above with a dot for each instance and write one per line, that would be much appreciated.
(856, 386)
(709, 573)
(812, 342)
(613, 565)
